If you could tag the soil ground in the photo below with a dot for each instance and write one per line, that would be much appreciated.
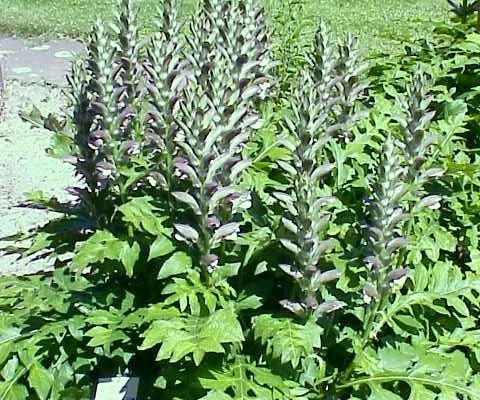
(35, 75)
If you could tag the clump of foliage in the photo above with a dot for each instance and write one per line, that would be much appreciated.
(231, 242)
(463, 9)
(290, 38)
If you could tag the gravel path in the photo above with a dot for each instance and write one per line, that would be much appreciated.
(32, 61)
(34, 73)
(25, 166)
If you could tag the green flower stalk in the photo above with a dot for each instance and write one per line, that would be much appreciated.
(106, 95)
(313, 122)
(386, 218)
(399, 190)
(416, 138)
(128, 55)
(351, 90)
(80, 99)
(95, 109)
(166, 80)
(227, 74)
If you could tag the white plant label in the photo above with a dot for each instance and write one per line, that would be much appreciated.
(117, 388)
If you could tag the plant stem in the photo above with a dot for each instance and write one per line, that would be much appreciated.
(15, 379)
(205, 245)
(408, 378)
(406, 233)
(365, 337)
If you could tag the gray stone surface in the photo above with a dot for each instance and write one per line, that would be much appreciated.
(26, 167)
(37, 62)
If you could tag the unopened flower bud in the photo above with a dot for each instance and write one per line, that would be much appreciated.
(397, 277)
(396, 244)
(329, 276)
(210, 261)
(369, 293)
(330, 306)
(418, 162)
(213, 222)
(372, 262)
(311, 302)
(296, 308)
(432, 202)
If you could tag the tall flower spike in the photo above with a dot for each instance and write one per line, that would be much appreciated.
(128, 57)
(415, 125)
(256, 33)
(400, 171)
(104, 89)
(205, 34)
(311, 125)
(386, 216)
(254, 46)
(216, 119)
(350, 87)
(167, 76)
(80, 100)
(100, 64)
(92, 97)
(103, 105)
(323, 59)
(115, 86)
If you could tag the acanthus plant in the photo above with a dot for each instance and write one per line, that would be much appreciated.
(165, 68)
(323, 105)
(181, 267)
(396, 292)
(397, 193)
(228, 62)
(106, 91)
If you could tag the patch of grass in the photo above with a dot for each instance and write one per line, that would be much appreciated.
(58, 18)
(379, 24)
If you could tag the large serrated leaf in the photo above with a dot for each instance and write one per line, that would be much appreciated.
(248, 381)
(101, 336)
(41, 380)
(423, 366)
(102, 245)
(193, 335)
(143, 215)
(178, 263)
(160, 247)
(286, 340)
(129, 256)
